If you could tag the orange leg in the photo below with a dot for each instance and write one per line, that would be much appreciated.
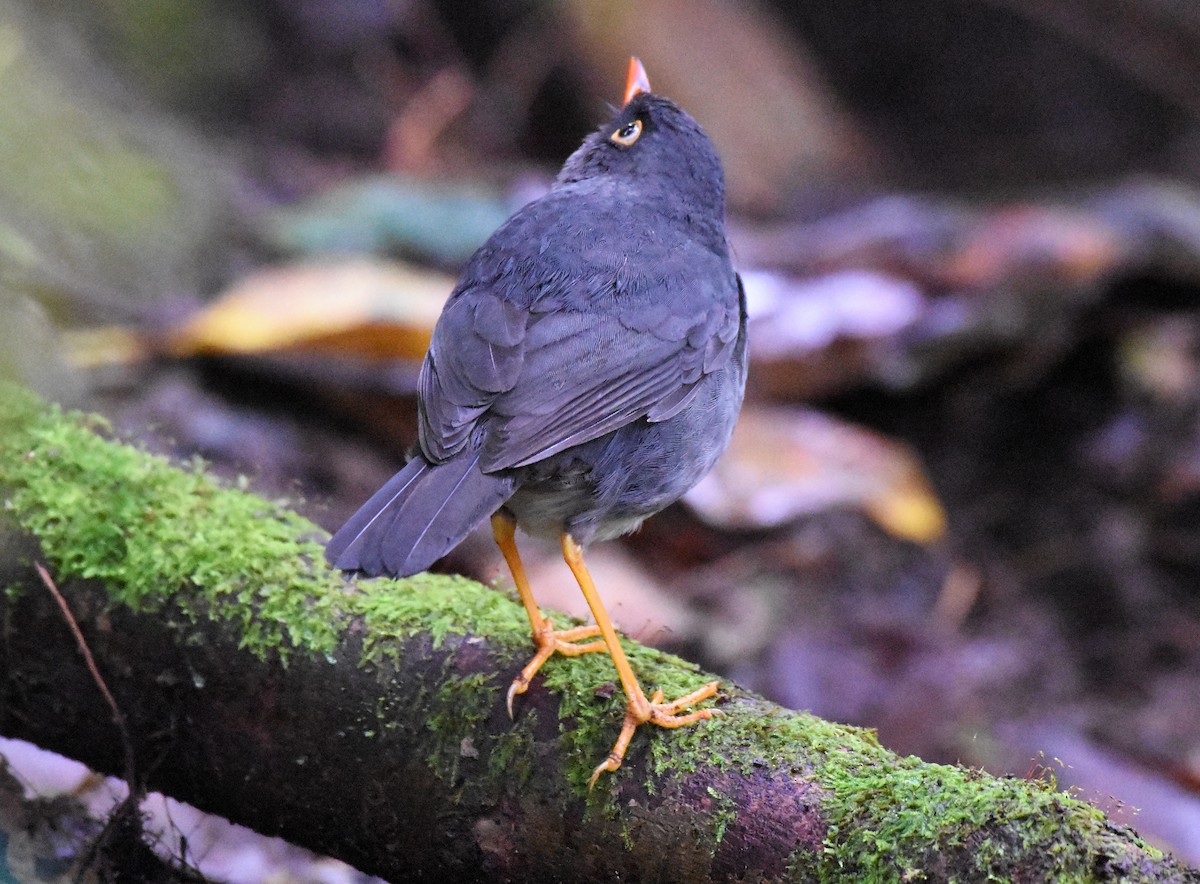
(548, 640)
(639, 709)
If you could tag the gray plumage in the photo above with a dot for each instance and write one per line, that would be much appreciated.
(589, 366)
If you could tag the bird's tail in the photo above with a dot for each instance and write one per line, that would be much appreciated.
(422, 513)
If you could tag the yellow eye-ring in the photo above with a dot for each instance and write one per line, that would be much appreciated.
(627, 134)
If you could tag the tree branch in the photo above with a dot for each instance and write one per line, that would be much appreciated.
(367, 721)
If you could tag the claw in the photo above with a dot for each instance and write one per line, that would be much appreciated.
(550, 642)
(610, 763)
(567, 642)
(640, 710)
(518, 686)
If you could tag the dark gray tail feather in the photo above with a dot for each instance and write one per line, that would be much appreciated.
(422, 513)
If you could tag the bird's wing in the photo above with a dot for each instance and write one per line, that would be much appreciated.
(538, 351)
(586, 372)
(477, 352)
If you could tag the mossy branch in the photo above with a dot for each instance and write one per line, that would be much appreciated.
(367, 720)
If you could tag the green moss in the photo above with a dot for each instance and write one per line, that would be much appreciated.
(438, 605)
(882, 807)
(512, 757)
(148, 530)
(155, 534)
(726, 813)
(462, 703)
(158, 536)
(888, 817)
(592, 705)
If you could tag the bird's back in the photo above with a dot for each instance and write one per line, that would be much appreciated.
(600, 321)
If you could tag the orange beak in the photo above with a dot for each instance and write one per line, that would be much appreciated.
(636, 80)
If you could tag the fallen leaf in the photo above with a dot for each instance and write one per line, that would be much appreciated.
(396, 215)
(783, 463)
(363, 307)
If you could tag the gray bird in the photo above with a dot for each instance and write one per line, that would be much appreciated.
(586, 371)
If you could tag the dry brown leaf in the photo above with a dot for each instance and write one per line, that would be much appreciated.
(90, 348)
(1058, 246)
(363, 307)
(787, 462)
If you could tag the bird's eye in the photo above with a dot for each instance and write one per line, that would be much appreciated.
(627, 134)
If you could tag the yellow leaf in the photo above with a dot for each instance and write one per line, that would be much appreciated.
(359, 307)
(783, 463)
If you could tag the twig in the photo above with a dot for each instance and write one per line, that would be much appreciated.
(131, 771)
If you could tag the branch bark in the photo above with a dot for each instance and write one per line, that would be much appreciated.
(367, 721)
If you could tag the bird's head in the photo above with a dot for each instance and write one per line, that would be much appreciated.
(655, 147)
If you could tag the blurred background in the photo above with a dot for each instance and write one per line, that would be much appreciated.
(963, 502)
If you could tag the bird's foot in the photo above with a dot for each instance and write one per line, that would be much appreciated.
(640, 711)
(550, 642)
